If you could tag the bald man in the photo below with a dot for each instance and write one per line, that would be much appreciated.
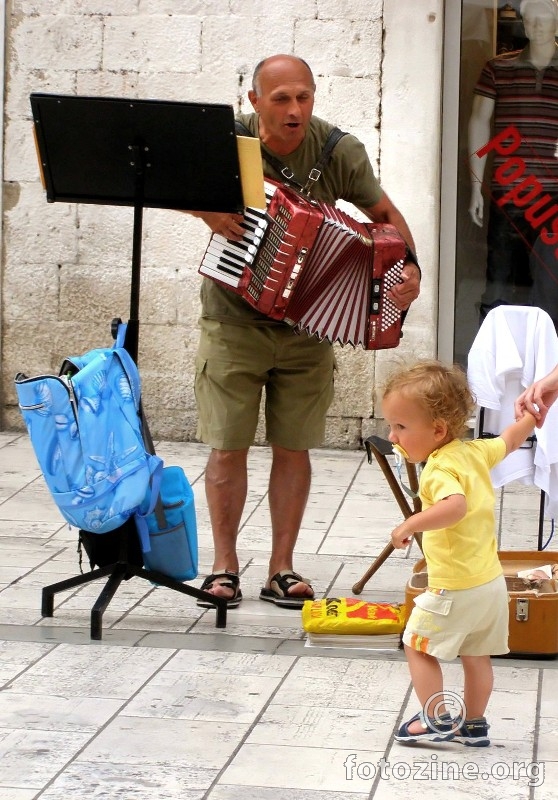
(242, 352)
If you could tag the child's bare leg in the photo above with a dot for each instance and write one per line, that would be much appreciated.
(427, 679)
(479, 680)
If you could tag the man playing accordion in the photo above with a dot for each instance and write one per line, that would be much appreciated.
(242, 352)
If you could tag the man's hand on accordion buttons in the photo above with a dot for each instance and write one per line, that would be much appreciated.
(227, 225)
(403, 294)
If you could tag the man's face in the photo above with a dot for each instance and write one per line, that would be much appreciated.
(284, 101)
(540, 23)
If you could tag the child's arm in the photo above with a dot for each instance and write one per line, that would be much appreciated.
(516, 433)
(442, 514)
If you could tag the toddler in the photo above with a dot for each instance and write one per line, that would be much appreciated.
(464, 611)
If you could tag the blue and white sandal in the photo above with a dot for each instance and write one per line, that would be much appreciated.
(442, 729)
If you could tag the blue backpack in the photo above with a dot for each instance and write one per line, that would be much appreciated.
(85, 428)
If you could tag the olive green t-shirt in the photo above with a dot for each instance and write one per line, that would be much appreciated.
(348, 176)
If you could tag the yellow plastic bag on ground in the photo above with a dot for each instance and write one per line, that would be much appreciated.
(352, 616)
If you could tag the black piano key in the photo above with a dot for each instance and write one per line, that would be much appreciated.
(227, 258)
(240, 257)
(240, 247)
(229, 277)
(222, 258)
(256, 217)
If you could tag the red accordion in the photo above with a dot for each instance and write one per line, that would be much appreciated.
(314, 267)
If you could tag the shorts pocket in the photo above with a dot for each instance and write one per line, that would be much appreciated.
(202, 396)
(200, 376)
(201, 365)
(436, 603)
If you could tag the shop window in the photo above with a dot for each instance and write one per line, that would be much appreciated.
(507, 194)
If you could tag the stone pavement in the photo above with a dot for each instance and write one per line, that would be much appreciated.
(167, 707)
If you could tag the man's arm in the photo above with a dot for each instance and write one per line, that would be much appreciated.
(386, 211)
(539, 397)
(408, 290)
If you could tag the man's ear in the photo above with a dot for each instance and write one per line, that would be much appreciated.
(253, 98)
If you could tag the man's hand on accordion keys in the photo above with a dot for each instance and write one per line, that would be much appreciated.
(226, 224)
(404, 293)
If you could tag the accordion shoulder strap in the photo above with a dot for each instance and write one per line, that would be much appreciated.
(315, 173)
(334, 135)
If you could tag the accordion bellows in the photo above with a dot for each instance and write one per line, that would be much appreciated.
(314, 267)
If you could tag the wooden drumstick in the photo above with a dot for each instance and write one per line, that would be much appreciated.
(386, 552)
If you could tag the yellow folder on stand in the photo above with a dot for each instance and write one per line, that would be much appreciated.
(251, 171)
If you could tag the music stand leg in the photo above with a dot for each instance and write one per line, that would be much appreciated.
(47, 602)
(108, 592)
(158, 578)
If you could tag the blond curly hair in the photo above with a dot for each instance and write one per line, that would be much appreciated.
(441, 390)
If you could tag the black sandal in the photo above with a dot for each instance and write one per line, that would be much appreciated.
(232, 582)
(278, 592)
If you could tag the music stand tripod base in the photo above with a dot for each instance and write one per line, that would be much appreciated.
(118, 572)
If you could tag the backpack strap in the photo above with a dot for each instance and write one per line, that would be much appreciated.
(287, 173)
(131, 369)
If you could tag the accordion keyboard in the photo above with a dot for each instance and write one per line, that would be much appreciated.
(225, 259)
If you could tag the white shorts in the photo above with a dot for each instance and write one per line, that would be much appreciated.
(468, 622)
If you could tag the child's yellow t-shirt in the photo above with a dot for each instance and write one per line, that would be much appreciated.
(466, 554)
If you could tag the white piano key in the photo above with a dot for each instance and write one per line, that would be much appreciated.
(228, 263)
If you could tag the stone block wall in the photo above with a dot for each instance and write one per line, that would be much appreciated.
(66, 267)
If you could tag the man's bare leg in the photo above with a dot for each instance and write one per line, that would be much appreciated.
(289, 486)
(226, 484)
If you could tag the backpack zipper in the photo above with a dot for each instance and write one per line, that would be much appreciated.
(67, 381)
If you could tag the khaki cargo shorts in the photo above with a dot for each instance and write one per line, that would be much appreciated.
(468, 622)
(235, 363)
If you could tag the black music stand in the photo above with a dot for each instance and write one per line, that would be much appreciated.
(140, 153)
